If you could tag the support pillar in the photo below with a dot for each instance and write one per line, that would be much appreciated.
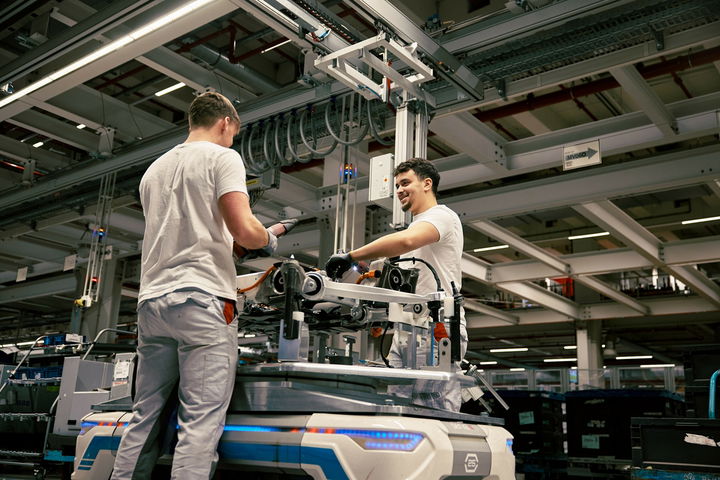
(589, 354)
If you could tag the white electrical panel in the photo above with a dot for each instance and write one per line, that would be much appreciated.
(382, 180)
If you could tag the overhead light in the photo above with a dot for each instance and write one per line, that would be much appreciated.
(276, 46)
(487, 249)
(588, 235)
(634, 357)
(488, 363)
(38, 144)
(658, 365)
(505, 350)
(107, 49)
(518, 369)
(169, 89)
(699, 220)
(81, 126)
(570, 347)
(551, 360)
(24, 344)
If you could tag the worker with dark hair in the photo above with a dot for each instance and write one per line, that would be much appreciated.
(435, 235)
(196, 203)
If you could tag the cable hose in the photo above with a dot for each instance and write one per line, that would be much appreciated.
(284, 161)
(317, 153)
(291, 141)
(269, 158)
(337, 138)
(373, 130)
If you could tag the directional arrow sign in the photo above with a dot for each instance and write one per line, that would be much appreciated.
(581, 155)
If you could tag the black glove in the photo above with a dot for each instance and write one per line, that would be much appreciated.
(266, 251)
(338, 264)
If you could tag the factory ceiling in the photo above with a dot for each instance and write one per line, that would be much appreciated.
(633, 85)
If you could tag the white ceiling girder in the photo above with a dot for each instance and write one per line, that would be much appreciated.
(37, 251)
(479, 307)
(622, 226)
(56, 129)
(684, 252)
(520, 244)
(677, 42)
(197, 18)
(21, 151)
(600, 311)
(466, 133)
(39, 288)
(714, 185)
(659, 172)
(475, 268)
(637, 88)
(607, 290)
(608, 216)
(540, 296)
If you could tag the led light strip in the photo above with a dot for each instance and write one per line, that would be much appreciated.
(107, 49)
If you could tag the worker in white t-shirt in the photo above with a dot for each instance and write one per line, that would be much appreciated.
(196, 203)
(435, 235)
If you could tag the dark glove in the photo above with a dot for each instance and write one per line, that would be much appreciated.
(266, 251)
(338, 264)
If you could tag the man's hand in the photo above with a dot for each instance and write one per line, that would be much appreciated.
(267, 250)
(338, 264)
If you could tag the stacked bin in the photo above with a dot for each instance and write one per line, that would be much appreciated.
(598, 421)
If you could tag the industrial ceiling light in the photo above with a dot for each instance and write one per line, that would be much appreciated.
(276, 46)
(489, 363)
(506, 350)
(169, 89)
(634, 357)
(518, 369)
(487, 249)
(81, 126)
(658, 365)
(570, 347)
(588, 235)
(699, 220)
(107, 49)
(38, 144)
(568, 359)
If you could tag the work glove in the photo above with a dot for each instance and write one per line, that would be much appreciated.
(265, 251)
(338, 264)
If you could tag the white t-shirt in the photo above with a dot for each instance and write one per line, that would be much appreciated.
(186, 242)
(444, 255)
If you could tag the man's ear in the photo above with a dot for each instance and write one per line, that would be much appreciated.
(427, 184)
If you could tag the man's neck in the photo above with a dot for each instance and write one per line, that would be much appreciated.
(431, 202)
(202, 135)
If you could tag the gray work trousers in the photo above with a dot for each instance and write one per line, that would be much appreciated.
(186, 338)
(443, 395)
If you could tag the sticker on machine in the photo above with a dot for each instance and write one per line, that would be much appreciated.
(700, 440)
(581, 155)
(471, 463)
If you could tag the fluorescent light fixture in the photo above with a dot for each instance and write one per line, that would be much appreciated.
(276, 46)
(570, 347)
(81, 126)
(169, 89)
(517, 369)
(588, 235)
(505, 350)
(634, 357)
(38, 144)
(573, 368)
(487, 249)
(24, 344)
(551, 360)
(107, 49)
(488, 363)
(658, 365)
(699, 220)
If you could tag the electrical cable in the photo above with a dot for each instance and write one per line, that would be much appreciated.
(432, 269)
(382, 343)
(291, 141)
(282, 155)
(269, 158)
(361, 135)
(373, 129)
(259, 280)
(317, 153)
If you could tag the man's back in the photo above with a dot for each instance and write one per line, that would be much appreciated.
(186, 242)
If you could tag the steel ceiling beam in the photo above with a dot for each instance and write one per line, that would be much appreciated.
(610, 292)
(608, 216)
(56, 129)
(599, 311)
(684, 252)
(466, 133)
(39, 288)
(650, 103)
(479, 307)
(20, 151)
